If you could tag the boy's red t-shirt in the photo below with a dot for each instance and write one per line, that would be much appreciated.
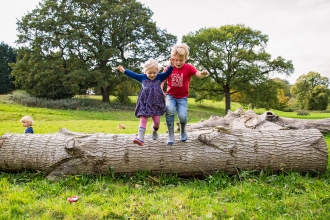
(179, 80)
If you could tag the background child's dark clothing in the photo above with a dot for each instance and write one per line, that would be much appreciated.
(28, 130)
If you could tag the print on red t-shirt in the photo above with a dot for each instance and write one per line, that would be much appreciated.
(179, 80)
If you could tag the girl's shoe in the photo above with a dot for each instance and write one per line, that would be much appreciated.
(138, 142)
(154, 132)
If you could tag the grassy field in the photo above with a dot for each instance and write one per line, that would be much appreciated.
(51, 121)
(248, 195)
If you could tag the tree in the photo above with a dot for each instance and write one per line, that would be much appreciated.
(7, 55)
(268, 94)
(285, 85)
(72, 45)
(283, 93)
(236, 58)
(312, 91)
(259, 95)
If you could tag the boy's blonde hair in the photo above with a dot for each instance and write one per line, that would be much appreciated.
(180, 49)
(27, 119)
(151, 63)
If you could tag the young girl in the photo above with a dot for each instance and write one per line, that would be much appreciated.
(27, 122)
(150, 101)
(178, 90)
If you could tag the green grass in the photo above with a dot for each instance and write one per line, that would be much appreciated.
(142, 196)
(51, 121)
(248, 195)
(312, 114)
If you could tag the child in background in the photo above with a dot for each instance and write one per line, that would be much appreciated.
(178, 90)
(150, 101)
(27, 122)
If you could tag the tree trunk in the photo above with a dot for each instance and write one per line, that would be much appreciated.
(105, 94)
(205, 152)
(227, 97)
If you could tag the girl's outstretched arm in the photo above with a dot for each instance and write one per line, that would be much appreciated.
(121, 69)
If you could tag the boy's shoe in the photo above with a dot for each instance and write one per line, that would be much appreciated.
(170, 127)
(183, 133)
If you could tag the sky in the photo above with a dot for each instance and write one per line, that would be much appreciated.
(298, 30)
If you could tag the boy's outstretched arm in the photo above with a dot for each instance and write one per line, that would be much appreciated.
(202, 74)
(162, 86)
(163, 83)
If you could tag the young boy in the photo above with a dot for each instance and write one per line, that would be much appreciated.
(178, 90)
(27, 122)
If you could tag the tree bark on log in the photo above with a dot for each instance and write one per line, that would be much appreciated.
(267, 121)
(205, 152)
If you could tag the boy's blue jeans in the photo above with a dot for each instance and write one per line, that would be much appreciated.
(174, 105)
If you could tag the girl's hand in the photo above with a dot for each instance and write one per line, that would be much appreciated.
(121, 69)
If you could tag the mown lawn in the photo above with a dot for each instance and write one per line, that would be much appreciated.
(51, 121)
(247, 195)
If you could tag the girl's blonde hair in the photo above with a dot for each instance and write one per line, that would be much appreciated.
(27, 119)
(180, 49)
(151, 63)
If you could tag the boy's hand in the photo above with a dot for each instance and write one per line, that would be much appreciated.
(121, 69)
(172, 61)
(205, 73)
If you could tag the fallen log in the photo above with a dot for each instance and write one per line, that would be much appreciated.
(205, 152)
(266, 121)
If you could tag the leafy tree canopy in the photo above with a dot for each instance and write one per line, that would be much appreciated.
(68, 46)
(7, 56)
(269, 94)
(312, 91)
(285, 85)
(236, 58)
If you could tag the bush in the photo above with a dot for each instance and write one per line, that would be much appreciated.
(87, 104)
(288, 109)
(302, 113)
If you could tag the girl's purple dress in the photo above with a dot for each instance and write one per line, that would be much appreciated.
(151, 97)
